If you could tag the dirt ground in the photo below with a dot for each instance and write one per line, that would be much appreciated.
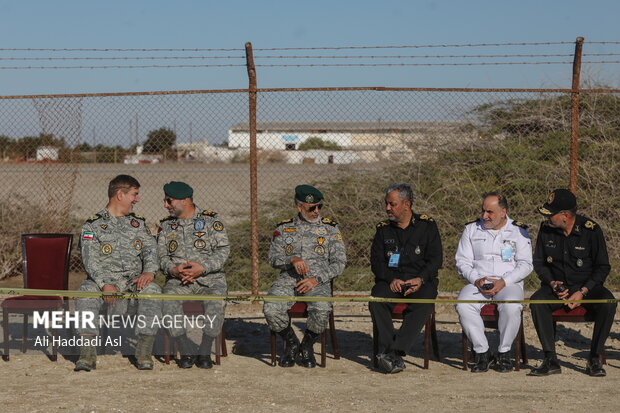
(245, 381)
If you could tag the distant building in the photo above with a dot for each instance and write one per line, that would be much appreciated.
(47, 153)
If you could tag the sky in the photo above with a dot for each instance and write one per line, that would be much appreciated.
(207, 24)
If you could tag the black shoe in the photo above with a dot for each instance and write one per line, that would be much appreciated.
(204, 362)
(385, 362)
(186, 362)
(291, 348)
(307, 350)
(483, 361)
(594, 368)
(399, 364)
(504, 362)
(548, 366)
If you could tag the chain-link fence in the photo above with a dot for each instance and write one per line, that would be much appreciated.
(59, 153)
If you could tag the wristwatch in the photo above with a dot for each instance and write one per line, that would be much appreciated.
(583, 291)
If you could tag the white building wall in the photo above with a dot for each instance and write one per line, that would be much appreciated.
(278, 140)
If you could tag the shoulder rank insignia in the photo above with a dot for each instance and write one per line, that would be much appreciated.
(425, 217)
(329, 222)
(286, 221)
(383, 224)
(520, 224)
(590, 225)
(209, 213)
(168, 218)
(137, 216)
(93, 218)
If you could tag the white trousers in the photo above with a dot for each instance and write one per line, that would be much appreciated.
(509, 316)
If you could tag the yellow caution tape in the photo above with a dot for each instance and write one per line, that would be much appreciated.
(255, 298)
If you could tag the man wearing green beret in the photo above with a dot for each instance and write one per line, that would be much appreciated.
(192, 245)
(309, 252)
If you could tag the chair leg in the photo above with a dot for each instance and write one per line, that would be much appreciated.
(25, 333)
(523, 346)
(5, 328)
(375, 345)
(323, 349)
(273, 348)
(465, 344)
(518, 350)
(332, 334)
(218, 349)
(166, 337)
(223, 341)
(427, 341)
(434, 340)
(603, 358)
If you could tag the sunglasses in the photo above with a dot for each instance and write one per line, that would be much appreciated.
(168, 200)
(315, 207)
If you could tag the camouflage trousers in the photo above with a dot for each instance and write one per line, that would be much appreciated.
(213, 318)
(276, 311)
(149, 311)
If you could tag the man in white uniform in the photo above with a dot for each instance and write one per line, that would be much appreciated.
(494, 255)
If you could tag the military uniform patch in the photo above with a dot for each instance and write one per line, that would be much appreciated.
(289, 249)
(338, 237)
(172, 246)
(200, 244)
(218, 226)
(103, 226)
(93, 218)
(137, 244)
(106, 249)
(319, 249)
(199, 234)
(135, 223)
(209, 213)
(289, 229)
(425, 217)
(199, 225)
(383, 224)
(329, 222)
(589, 224)
(550, 259)
(519, 224)
(286, 221)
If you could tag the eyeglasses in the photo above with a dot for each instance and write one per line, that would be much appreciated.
(168, 200)
(315, 207)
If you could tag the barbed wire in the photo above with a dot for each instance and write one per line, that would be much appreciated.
(414, 46)
(300, 65)
(115, 50)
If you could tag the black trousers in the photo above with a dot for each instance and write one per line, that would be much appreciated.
(603, 318)
(414, 317)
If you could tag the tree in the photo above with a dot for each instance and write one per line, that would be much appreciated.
(159, 141)
(317, 143)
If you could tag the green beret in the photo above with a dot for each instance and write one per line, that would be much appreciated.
(308, 194)
(178, 190)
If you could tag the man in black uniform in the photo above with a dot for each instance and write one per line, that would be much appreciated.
(571, 261)
(405, 256)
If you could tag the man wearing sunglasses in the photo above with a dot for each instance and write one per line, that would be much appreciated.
(192, 245)
(309, 252)
(405, 257)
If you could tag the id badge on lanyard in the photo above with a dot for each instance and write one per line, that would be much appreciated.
(394, 259)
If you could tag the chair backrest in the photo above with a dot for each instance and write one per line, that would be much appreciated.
(45, 260)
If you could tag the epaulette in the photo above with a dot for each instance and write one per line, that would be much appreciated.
(209, 213)
(425, 217)
(131, 214)
(383, 223)
(520, 224)
(286, 221)
(590, 225)
(168, 218)
(329, 222)
(93, 218)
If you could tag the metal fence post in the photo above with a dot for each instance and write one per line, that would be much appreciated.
(575, 115)
(253, 167)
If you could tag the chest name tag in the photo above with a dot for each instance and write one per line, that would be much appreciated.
(393, 262)
(507, 253)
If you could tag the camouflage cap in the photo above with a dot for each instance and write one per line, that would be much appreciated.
(558, 200)
(308, 194)
(178, 190)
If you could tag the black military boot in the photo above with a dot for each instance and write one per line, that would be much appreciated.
(307, 349)
(204, 353)
(483, 361)
(291, 347)
(185, 348)
(504, 362)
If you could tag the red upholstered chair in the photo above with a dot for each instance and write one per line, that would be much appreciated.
(195, 308)
(430, 335)
(576, 315)
(490, 315)
(300, 310)
(45, 261)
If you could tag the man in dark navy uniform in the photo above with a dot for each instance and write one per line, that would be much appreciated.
(406, 254)
(571, 261)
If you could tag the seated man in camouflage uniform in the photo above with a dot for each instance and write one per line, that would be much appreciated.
(119, 255)
(192, 245)
(309, 252)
